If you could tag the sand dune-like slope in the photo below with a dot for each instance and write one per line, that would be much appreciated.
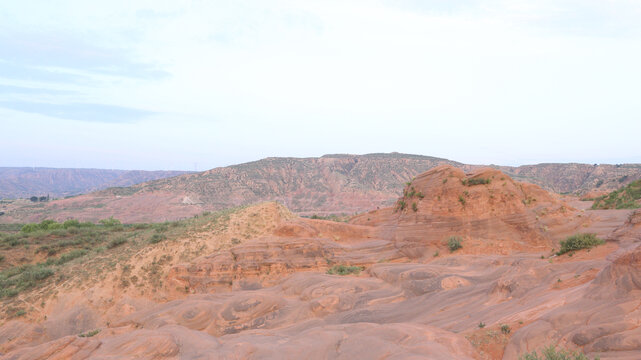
(269, 296)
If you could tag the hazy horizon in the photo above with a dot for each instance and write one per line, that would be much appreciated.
(179, 86)
(306, 157)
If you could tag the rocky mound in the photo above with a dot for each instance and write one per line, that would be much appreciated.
(486, 208)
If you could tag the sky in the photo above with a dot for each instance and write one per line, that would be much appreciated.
(193, 85)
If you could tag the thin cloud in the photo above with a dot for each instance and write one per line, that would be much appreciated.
(81, 112)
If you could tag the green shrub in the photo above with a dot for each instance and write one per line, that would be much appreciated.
(578, 242)
(402, 205)
(475, 181)
(454, 243)
(72, 223)
(551, 353)
(44, 225)
(141, 226)
(59, 232)
(116, 242)
(8, 293)
(117, 227)
(462, 200)
(29, 228)
(16, 279)
(414, 207)
(156, 238)
(90, 333)
(161, 227)
(481, 325)
(110, 222)
(1, 258)
(73, 254)
(345, 270)
(505, 329)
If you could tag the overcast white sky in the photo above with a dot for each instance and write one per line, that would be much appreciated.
(170, 84)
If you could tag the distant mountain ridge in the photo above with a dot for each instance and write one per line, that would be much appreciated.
(24, 182)
(330, 184)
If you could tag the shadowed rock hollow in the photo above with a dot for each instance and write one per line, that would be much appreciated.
(270, 296)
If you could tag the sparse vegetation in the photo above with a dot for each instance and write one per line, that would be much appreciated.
(578, 242)
(475, 181)
(110, 222)
(454, 243)
(506, 329)
(462, 200)
(90, 333)
(551, 353)
(627, 197)
(116, 242)
(64, 258)
(156, 238)
(345, 270)
(414, 207)
(331, 217)
(481, 325)
(19, 278)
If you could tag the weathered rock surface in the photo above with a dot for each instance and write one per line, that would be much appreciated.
(270, 297)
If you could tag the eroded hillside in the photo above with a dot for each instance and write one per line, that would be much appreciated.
(462, 266)
(332, 184)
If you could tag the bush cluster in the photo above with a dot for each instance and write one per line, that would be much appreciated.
(476, 181)
(47, 225)
(578, 242)
(345, 270)
(454, 243)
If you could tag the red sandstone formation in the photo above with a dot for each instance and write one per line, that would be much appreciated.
(269, 297)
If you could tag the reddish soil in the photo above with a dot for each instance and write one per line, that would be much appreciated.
(269, 296)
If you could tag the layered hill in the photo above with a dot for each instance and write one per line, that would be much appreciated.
(261, 283)
(22, 182)
(332, 184)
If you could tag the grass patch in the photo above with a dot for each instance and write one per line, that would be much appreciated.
(578, 242)
(116, 242)
(156, 238)
(65, 258)
(551, 353)
(19, 278)
(345, 270)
